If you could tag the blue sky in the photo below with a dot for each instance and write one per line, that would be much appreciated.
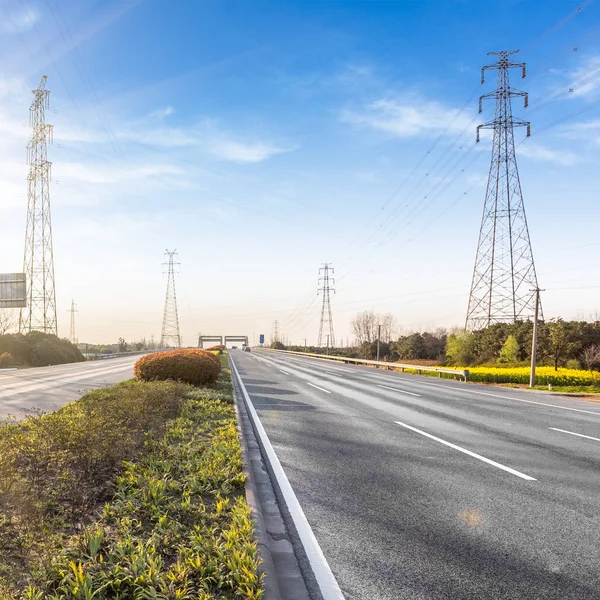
(261, 139)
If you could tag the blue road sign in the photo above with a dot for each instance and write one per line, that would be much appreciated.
(261, 339)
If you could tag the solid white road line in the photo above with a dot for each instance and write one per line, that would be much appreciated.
(589, 437)
(319, 388)
(587, 412)
(328, 586)
(284, 372)
(385, 387)
(465, 451)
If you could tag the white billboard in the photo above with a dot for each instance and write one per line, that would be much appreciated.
(13, 290)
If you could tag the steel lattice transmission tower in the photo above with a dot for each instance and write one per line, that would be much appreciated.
(326, 325)
(38, 262)
(170, 327)
(504, 276)
(73, 310)
(275, 335)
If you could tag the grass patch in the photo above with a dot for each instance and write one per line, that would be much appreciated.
(132, 492)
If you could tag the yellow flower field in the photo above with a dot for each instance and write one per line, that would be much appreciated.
(544, 375)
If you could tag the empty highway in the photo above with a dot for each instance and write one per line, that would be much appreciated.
(420, 488)
(26, 391)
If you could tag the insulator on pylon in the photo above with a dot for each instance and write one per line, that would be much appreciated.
(526, 103)
(528, 130)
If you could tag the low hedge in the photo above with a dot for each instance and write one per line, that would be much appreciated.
(196, 367)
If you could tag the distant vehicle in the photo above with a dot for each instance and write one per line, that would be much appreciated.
(234, 347)
(247, 349)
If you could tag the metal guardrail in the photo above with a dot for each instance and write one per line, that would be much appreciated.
(379, 363)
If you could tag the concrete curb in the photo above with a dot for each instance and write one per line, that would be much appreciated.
(267, 567)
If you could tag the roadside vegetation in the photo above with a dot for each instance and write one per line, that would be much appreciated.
(134, 491)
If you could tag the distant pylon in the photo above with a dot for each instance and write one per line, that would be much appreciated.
(72, 336)
(504, 272)
(326, 325)
(275, 335)
(170, 327)
(38, 262)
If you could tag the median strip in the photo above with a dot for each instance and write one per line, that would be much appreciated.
(468, 452)
(133, 491)
(589, 437)
(319, 388)
(385, 387)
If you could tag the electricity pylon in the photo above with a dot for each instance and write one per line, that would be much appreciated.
(504, 272)
(170, 326)
(72, 336)
(275, 335)
(326, 326)
(38, 262)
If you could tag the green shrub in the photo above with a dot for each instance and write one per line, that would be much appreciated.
(6, 360)
(573, 363)
(196, 367)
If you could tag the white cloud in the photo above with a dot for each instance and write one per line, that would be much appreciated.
(406, 117)
(543, 153)
(19, 22)
(161, 113)
(243, 152)
(99, 173)
(583, 131)
(585, 80)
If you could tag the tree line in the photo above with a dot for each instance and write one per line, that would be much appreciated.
(36, 349)
(572, 344)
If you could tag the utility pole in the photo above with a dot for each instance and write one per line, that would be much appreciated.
(534, 338)
(170, 326)
(326, 324)
(305, 349)
(378, 338)
(38, 262)
(327, 343)
(504, 268)
(72, 330)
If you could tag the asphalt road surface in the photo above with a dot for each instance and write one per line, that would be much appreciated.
(28, 391)
(423, 488)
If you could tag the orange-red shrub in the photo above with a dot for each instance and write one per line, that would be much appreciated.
(190, 366)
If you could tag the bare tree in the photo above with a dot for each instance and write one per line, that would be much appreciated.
(388, 327)
(364, 326)
(7, 321)
(590, 357)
